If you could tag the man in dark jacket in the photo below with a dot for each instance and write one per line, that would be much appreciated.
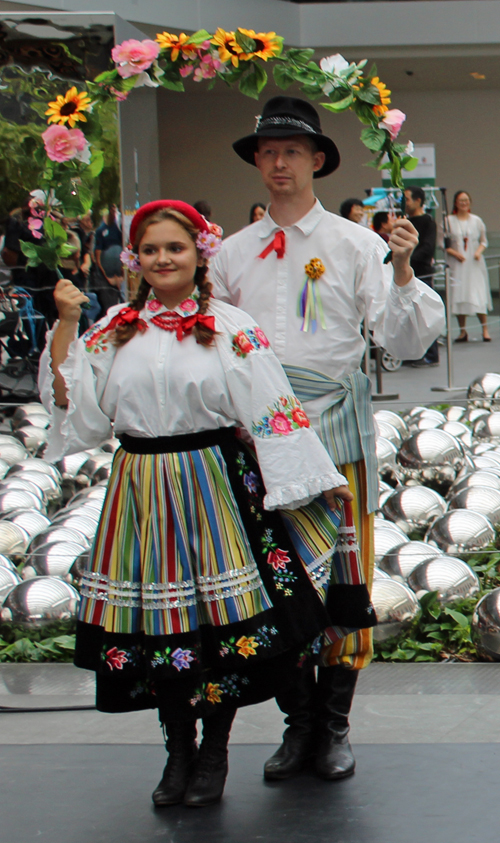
(422, 259)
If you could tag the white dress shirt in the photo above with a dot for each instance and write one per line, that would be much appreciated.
(355, 285)
(156, 385)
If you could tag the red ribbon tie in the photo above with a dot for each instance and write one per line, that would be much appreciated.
(187, 324)
(277, 245)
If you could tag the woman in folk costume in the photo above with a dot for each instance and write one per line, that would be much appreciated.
(201, 597)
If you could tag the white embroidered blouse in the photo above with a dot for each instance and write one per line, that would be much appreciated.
(156, 385)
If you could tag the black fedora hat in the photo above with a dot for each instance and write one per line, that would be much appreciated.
(283, 117)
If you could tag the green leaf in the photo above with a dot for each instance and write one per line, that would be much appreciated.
(341, 105)
(300, 56)
(283, 76)
(246, 43)
(28, 249)
(48, 256)
(171, 84)
(396, 179)
(409, 163)
(54, 231)
(374, 138)
(252, 83)
(462, 621)
(369, 95)
(96, 163)
(199, 37)
(372, 72)
(106, 77)
(313, 92)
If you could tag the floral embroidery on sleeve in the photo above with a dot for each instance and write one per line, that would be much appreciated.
(95, 341)
(285, 415)
(248, 340)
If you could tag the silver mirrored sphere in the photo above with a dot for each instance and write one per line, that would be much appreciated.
(452, 578)
(461, 531)
(386, 539)
(4, 468)
(5, 562)
(97, 463)
(13, 540)
(479, 499)
(58, 534)
(92, 493)
(481, 447)
(75, 520)
(485, 625)
(39, 602)
(54, 559)
(379, 574)
(482, 389)
(33, 421)
(386, 459)
(8, 579)
(79, 566)
(51, 488)
(459, 431)
(110, 446)
(396, 607)
(18, 482)
(34, 439)
(388, 431)
(488, 461)
(70, 465)
(15, 499)
(424, 423)
(31, 520)
(36, 464)
(431, 456)
(414, 507)
(488, 427)
(475, 413)
(402, 560)
(455, 413)
(482, 478)
(28, 411)
(394, 419)
(11, 450)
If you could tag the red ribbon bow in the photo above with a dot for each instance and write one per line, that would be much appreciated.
(187, 324)
(277, 245)
(126, 316)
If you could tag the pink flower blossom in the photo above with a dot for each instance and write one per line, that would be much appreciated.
(34, 225)
(132, 57)
(189, 305)
(392, 122)
(259, 333)
(186, 70)
(63, 144)
(280, 424)
(154, 305)
(208, 244)
(209, 65)
(278, 559)
(130, 260)
(116, 658)
(120, 96)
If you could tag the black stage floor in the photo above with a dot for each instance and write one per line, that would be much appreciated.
(446, 793)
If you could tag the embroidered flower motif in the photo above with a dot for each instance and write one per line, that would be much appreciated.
(246, 646)
(251, 481)
(188, 305)
(153, 305)
(196, 699)
(284, 416)
(95, 342)
(208, 244)
(249, 339)
(300, 418)
(280, 424)
(213, 693)
(116, 658)
(181, 659)
(278, 559)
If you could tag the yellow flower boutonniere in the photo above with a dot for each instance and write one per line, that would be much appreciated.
(309, 305)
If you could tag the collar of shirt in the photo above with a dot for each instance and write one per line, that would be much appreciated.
(154, 307)
(306, 225)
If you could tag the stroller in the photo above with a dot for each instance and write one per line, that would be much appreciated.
(22, 333)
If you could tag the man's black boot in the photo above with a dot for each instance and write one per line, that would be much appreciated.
(297, 702)
(210, 773)
(180, 740)
(335, 692)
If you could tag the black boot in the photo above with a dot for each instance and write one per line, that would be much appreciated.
(335, 692)
(209, 776)
(180, 740)
(298, 703)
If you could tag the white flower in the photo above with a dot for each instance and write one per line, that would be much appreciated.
(144, 79)
(334, 64)
(84, 155)
(409, 148)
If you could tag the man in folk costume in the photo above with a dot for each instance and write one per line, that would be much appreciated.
(310, 278)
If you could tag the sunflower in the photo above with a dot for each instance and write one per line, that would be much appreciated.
(385, 98)
(69, 108)
(228, 49)
(176, 43)
(267, 45)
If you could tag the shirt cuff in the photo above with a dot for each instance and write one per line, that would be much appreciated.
(407, 290)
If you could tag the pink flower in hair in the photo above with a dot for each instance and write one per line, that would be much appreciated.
(208, 244)
(132, 57)
(130, 260)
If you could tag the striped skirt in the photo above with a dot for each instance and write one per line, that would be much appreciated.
(196, 596)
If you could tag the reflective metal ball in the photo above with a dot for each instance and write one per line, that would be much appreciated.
(54, 559)
(485, 625)
(402, 560)
(388, 431)
(482, 478)
(98, 463)
(459, 431)
(28, 411)
(488, 427)
(488, 461)
(13, 540)
(479, 499)
(56, 533)
(386, 539)
(31, 520)
(75, 520)
(395, 419)
(33, 438)
(110, 446)
(460, 531)
(455, 413)
(482, 389)
(40, 602)
(70, 465)
(8, 579)
(414, 507)
(396, 607)
(11, 450)
(452, 578)
(36, 464)
(386, 458)
(15, 499)
(431, 456)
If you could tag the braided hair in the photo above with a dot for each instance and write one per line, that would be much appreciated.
(203, 334)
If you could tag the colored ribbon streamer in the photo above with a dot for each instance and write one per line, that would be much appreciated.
(310, 307)
(276, 245)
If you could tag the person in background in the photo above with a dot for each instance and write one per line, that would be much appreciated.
(70, 266)
(382, 224)
(470, 288)
(203, 208)
(107, 234)
(257, 211)
(352, 209)
(111, 294)
(422, 259)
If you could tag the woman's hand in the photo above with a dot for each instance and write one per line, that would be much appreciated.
(69, 300)
(478, 253)
(457, 255)
(341, 492)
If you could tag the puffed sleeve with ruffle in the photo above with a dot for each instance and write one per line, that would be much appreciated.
(295, 466)
(85, 371)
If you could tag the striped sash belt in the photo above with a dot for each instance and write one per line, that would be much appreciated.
(346, 424)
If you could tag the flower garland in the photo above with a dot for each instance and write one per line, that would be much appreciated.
(240, 57)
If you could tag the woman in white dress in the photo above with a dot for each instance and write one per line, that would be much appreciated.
(470, 288)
